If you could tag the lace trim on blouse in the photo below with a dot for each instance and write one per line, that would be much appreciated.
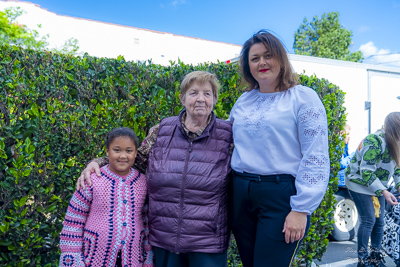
(313, 134)
(254, 118)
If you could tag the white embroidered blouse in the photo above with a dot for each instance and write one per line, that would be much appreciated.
(284, 133)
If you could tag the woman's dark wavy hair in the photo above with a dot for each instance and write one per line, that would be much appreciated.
(287, 78)
(392, 135)
(121, 132)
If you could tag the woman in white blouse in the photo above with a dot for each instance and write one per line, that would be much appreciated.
(281, 158)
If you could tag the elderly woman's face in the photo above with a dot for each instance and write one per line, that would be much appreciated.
(198, 99)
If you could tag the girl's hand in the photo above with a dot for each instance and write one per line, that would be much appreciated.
(85, 175)
(390, 198)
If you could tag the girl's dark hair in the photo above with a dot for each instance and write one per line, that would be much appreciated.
(121, 132)
(392, 135)
(287, 78)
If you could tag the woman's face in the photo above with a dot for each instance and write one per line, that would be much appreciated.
(198, 99)
(263, 67)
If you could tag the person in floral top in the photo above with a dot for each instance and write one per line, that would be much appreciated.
(375, 161)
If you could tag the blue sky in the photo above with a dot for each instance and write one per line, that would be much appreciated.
(375, 24)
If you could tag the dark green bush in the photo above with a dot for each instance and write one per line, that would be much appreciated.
(55, 111)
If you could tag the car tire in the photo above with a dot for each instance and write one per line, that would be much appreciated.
(345, 216)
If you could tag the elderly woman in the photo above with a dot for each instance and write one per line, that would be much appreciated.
(187, 158)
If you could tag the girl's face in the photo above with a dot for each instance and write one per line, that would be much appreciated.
(121, 155)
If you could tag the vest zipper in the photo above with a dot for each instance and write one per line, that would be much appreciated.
(177, 247)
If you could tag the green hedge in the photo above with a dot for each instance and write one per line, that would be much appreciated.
(55, 111)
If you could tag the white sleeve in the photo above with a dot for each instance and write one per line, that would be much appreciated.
(313, 174)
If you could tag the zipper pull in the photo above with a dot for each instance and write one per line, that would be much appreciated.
(190, 148)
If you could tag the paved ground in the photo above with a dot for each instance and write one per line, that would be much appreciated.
(344, 254)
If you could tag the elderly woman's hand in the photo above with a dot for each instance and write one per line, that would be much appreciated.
(295, 226)
(85, 175)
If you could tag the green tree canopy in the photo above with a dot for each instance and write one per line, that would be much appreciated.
(13, 33)
(326, 38)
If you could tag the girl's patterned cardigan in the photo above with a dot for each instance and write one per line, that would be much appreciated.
(106, 217)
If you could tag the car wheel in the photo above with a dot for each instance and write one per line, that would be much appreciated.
(345, 216)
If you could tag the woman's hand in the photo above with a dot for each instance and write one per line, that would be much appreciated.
(390, 198)
(295, 226)
(85, 175)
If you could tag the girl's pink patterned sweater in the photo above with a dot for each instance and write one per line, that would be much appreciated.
(107, 217)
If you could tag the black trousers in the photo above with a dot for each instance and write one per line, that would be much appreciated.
(260, 205)
(165, 258)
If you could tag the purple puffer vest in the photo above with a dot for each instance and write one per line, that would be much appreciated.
(188, 188)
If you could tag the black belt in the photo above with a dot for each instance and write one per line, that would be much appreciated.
(264, 178)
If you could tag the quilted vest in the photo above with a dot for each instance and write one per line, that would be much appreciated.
(188, 187)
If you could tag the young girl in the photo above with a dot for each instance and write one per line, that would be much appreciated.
(375, 161)
(105, 224)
